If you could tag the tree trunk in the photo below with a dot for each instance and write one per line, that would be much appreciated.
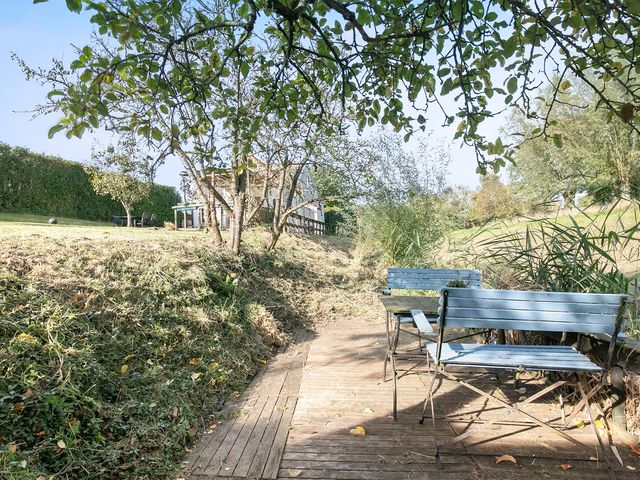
(212, 222)
(128, 210)
(275, 236)
(239, 206)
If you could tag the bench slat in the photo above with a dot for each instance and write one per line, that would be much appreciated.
(434, 275)
(421, 321)
(429, 279)
(495, 303)
(597, 298)
(532, 357)
(535, 326)
(419, 286)
(530, 315)
(429, 270)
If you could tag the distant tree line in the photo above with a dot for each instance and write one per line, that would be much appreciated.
(43, 185)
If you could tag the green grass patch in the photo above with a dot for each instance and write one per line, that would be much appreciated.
(26, 218)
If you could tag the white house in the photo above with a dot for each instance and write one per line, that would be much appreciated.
(308, 218)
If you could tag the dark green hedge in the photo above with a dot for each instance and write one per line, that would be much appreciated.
(43, 185)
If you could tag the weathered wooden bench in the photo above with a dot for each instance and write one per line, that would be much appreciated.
(580, 313)
(417, 279)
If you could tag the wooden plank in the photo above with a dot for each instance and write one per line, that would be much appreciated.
(375, 475)
(203, 455)
(514, 356)
(391, 460)
(421, 321)
(430, 270)
(567, 297)
(560, 306)
(531, 314)
(531, 325)
(224, 462)
(248, 455)
(264, 448)
(218, 452)
(279, 441)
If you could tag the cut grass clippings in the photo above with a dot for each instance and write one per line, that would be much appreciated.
(115, 354)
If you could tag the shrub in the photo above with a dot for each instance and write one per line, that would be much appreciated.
(43, 185)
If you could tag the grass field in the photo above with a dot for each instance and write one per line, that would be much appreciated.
(470, 241)
(119, 345)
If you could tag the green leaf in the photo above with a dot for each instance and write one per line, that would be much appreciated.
(55, 129)
(39, 1)
(244, 68)
(86, 76)
(557, 141)
(74, 5)
(512, 85)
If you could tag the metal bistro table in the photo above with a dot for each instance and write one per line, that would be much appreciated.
(409, 310)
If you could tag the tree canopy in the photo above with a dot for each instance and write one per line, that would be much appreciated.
(599, 155)
(380, 57)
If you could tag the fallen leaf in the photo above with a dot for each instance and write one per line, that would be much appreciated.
(368, 410)
(23, 464)
(522, 398)
(579, 423)
(195, 376)
(262, 362)
(521, 390)
(28, 394)
(506, 458)
(357, 431)
(600, 425)
(174, 412)
(633, 469)
(593, 459)
(193, 361)
(566, 466)
(294, 472)
(13, 448)
(18, 407)
(123, 369)
(61, 444)
(41, 433)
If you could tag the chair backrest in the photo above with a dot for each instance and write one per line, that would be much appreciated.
(430, 279)
(536, 311)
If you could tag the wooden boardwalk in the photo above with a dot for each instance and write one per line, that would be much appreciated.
(294, 422)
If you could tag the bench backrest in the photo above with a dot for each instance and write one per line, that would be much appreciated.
(536, 311)
(429, 278)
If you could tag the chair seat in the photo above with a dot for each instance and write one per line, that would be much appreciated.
(530, 357)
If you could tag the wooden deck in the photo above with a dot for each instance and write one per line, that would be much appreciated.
(294, 422)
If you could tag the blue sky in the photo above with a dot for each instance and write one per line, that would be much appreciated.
(38, 33)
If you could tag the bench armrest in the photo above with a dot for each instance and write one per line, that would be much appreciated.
(421, 321)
